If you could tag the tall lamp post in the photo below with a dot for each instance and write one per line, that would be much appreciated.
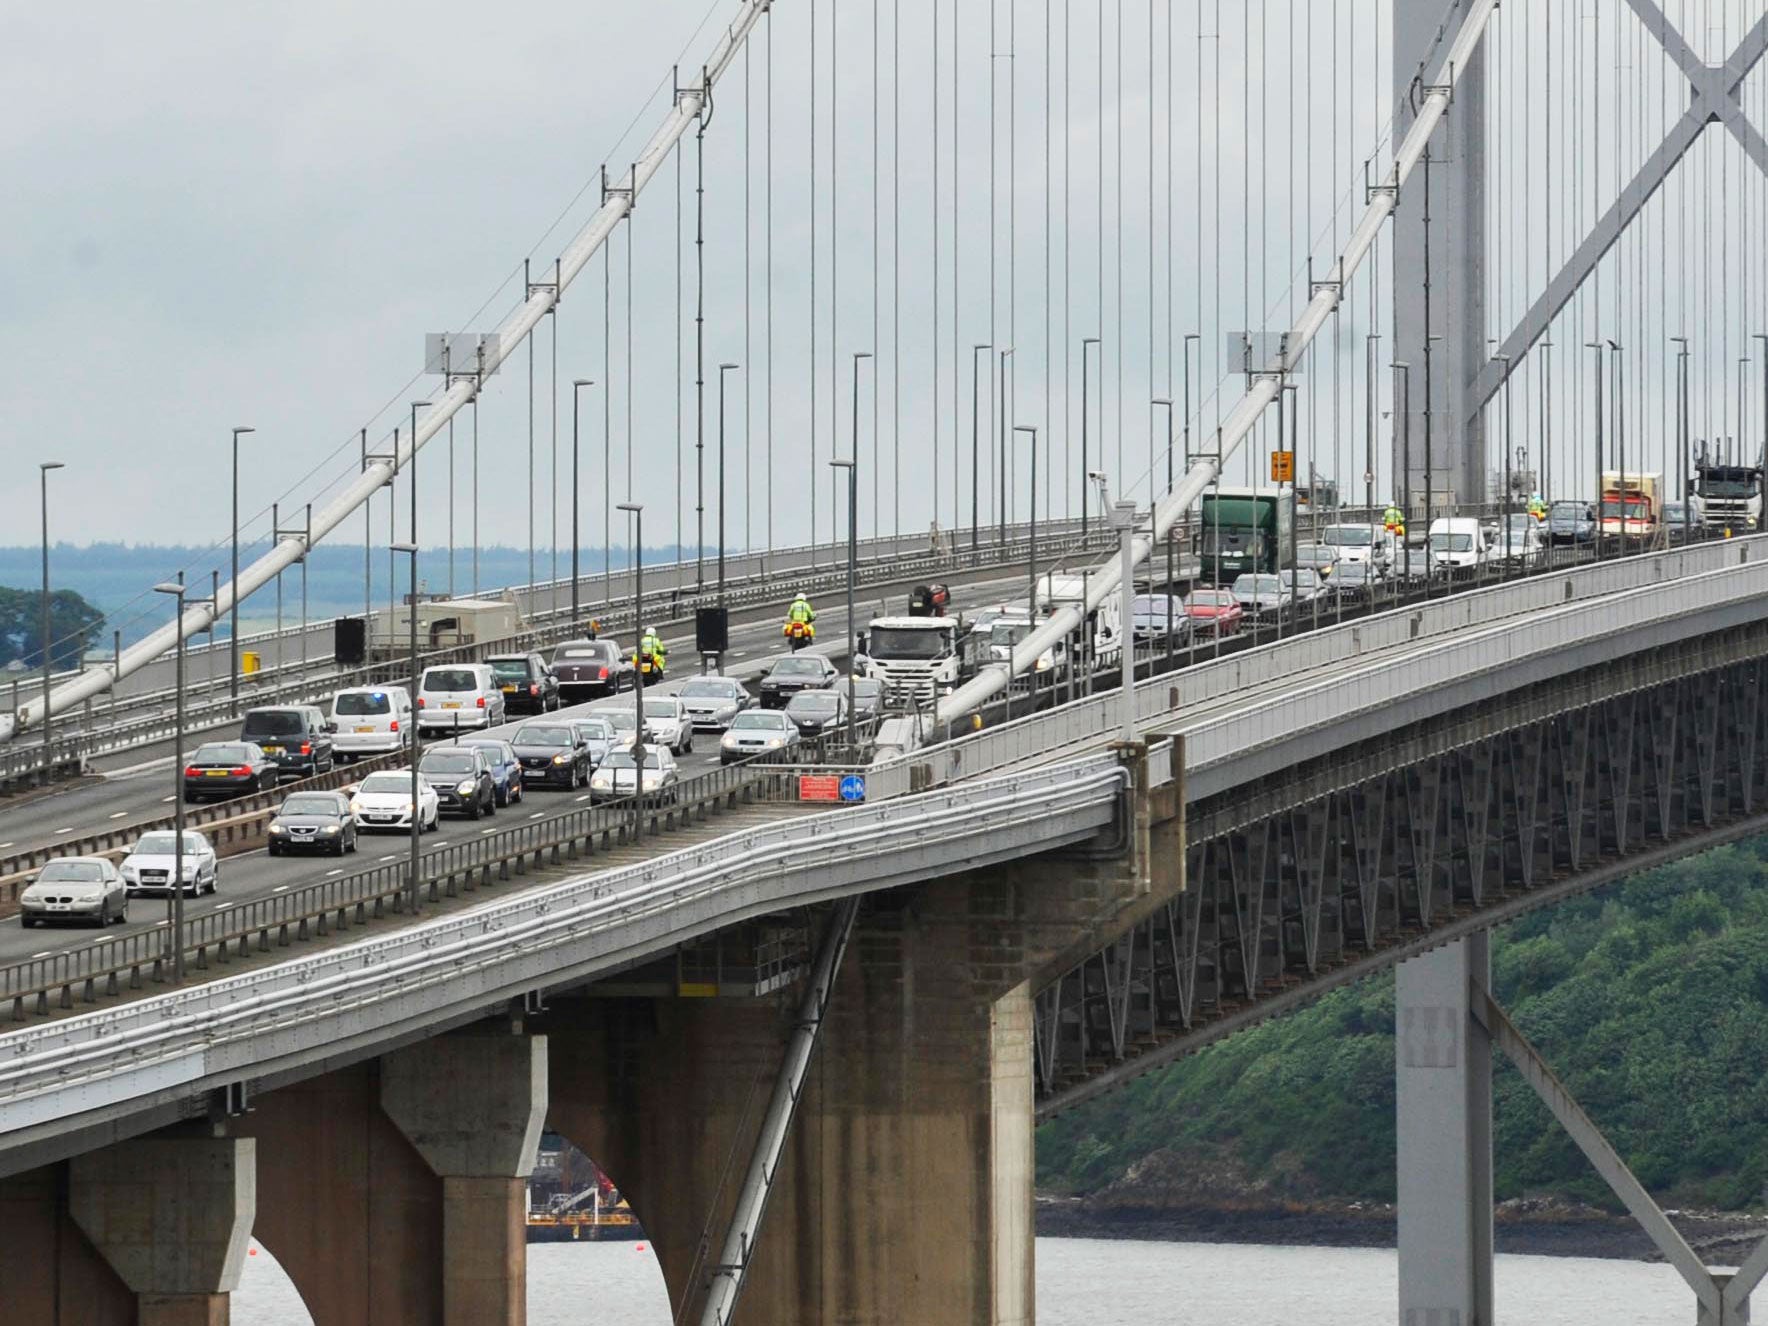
(637, 511)
(1682, 458)
(175, 903)
(1167, 598)
(577, 386)
(1085, 472)
(1596, 532)
(417, 817)
(43, 469)
(1031, 599)
(1002, 449)
(233, 590)
(975, 440)
(722, 370)
(852, 468)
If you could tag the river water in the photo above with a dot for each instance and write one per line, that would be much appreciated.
(1096, 1282)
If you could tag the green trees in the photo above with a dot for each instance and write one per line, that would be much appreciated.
(73, 625)
(1650, 999)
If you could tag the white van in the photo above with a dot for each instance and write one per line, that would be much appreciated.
(458, 697)
(1359, 543)
(370, 720)
(1458, 543)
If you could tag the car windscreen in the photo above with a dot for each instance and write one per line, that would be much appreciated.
(510, 668)
(815, 702)
(164, 844)
(272, 723)
(621, 720)
(543, 736)
(451, 679)
(383, 783)
(866, 688)
(593, 652)
(221, 755)
(447, 764)
(1209, 598)
(1451, 542)
(761, 722)
(1348, 536)
(596, 729)
(312, 804)
(1008, 634)
(889, 642)
(71, 872)
(621, 759)
(1257, 585)
(662, 709)
(705, 689)
(1314, 552)
(355, 704)
(797, 667)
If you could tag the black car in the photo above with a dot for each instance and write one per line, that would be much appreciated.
(461, 776)
(528, 684)
(297, 736)
(313, 821)
(868, 699)
(586, 668)
(552, 755)
(816, 712)
(1570, 523)
(792, 673)
(223, 769)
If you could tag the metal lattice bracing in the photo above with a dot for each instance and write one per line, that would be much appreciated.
(1356, 861)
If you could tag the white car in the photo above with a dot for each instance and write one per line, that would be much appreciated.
(668, 723)
(714, 701)
(754, 732)
(148, 867)
(74, 888)
(459, 697)
(614, 776)
(370, 720)
(383, 801)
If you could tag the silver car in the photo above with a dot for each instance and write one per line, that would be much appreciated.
(667, 723)
(712, 702)
(755, 732)
(148, 867)
(87, 890)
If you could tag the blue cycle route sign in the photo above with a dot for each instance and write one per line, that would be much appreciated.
(853, 787)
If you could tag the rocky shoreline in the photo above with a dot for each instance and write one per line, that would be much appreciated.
(1540, 1228)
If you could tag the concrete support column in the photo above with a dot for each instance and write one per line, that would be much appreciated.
(172, 1216)
(472, 1105)
(1444, 1105)
(1456, 272)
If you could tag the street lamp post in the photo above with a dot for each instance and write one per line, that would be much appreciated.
(1167, 599)
(233, 591)
(637, 511)
(1002, 449)
(975, 439)
(1684, 468)
(417, 819)
(1596, 531)
(1504, 541)
(852, 468)
(577, 386)
(1031, 599)
(1085, 470)
(43, 469)
(175, 903)
(722, 370)
(1403, 384)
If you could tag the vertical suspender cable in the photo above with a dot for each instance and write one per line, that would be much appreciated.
(957, 234)
(874, 466)
(700, 353)
(896, 268)
(607, 421)
(810, 479)
(680, 386)
(767, 232)
(933, 284)
(748, 313)
(834, 272)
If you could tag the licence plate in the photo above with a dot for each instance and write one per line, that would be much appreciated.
(365, 728)
(273, 750)
(215, 773)
(451, 704)
(509, 690)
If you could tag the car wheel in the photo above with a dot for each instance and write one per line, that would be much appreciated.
(350, 843)
(28, 922)
(500, 797)
(273, 850)
(476, 809)
(123, 915)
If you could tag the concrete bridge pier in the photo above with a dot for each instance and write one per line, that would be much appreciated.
(173, 1217)
(1443, 1100)
(473, 1106)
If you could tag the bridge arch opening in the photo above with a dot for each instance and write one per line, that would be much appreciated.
(584, 1237)
(267, 1292)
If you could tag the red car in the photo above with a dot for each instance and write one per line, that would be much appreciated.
(1214, 611)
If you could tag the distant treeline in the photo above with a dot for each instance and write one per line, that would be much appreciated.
(1649, 998)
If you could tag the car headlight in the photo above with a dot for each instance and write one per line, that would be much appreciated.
(331, 828)
(405, 808)
(463, 789)
(728, 741)
(772, 742)
(561, 759)
(355, 807)
(276, 829)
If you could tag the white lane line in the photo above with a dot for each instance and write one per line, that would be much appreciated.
(218, 906)
(69, 829)
(284, 888)
(166, 800)
(5, 845)
(392, 856)
(328, 875)
(483, 832)
(583, 798)
(539, 814)
(45, 953)
(119, 815)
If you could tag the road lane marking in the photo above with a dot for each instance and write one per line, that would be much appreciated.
(394, 856)
(483, 832)
(583, 798)
(166, 800)
(539, 814)
(45, 953)
(5, 845)
(69, 829)
(284, 888)
(328, 874)
(119, 815)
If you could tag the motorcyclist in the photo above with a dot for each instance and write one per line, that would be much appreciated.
(1392, 520)
(651, 644)
(800, 613)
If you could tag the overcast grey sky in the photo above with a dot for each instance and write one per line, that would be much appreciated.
(220, 215)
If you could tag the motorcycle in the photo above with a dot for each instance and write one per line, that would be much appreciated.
(650, 668)
(800, 634)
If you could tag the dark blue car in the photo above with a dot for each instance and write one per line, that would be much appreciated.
(506, 769)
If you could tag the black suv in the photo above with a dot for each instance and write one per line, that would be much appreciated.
(296, 737)
(553, 754)
(528, 684)
(462, 778)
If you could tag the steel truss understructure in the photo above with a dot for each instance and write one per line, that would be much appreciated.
(1412, 841)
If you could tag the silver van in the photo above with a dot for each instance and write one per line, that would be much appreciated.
(458, 697)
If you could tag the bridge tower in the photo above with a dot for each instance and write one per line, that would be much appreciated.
(1440, 303)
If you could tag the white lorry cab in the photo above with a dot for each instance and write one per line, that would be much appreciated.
(1358, 543)
(917, 659)
(1458, 543)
